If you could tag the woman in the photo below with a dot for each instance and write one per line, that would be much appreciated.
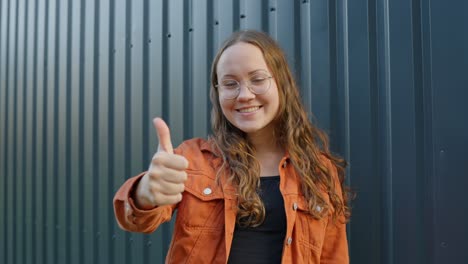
(263, 189)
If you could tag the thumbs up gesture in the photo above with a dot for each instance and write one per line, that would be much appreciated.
(163, 184)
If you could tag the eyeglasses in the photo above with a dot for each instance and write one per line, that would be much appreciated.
(259, 83)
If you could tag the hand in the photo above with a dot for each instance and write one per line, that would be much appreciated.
(163, 184)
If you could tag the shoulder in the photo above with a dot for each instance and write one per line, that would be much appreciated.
(328, 165)
(204, 164)
(332, 173)
(201, 155)
(195, 146)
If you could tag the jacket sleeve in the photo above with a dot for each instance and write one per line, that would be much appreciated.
(130, 218)
(335, 247)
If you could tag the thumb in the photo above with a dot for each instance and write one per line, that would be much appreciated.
(164, 136)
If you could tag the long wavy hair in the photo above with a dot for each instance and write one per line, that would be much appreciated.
(305, 143)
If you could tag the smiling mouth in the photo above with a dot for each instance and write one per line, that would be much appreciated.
(249, 109)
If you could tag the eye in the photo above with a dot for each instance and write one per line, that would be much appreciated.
(229, 84)
(258, 80)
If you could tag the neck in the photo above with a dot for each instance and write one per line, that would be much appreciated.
(264, 143)
(268, 153)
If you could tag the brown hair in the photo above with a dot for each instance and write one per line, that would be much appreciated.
(306, 144)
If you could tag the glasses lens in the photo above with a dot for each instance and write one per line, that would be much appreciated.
(260, 84)
(257, 84)
(229, 89)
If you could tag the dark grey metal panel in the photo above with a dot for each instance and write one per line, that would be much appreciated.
(120, 108)
(11, 127)
(81, 80)
(102, 68)
(21, 190)
(225, 20)
(40, 126)
(406, 212)
(251, 14)
(200, 73)
(363, 157)
(88, 207)
(76, 187)
(449, 62)
(3, 131)
(29, 157)
(20, 118)
(283, 29)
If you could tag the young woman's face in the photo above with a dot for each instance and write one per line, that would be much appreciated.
(254, 109)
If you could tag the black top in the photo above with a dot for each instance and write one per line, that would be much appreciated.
(262, 244)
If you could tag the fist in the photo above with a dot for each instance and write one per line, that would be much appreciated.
(163, 184)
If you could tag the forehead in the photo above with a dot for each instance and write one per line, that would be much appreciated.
(240, 59)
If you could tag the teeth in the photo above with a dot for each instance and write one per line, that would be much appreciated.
(250, 109)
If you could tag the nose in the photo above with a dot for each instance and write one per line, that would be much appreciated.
(244, 93)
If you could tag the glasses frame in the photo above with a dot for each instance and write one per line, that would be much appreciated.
(246, 84)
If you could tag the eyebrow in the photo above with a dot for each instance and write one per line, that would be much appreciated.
(249, 73)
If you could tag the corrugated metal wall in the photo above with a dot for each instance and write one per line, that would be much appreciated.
(81, 80)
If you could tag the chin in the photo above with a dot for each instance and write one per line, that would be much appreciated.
(249, 129)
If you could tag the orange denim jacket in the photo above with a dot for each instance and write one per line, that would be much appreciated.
(206, 215)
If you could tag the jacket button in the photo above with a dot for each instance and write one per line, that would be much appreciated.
(318, 208)
(289, 241)
(294, 206)
(207, 191)
(285, 163)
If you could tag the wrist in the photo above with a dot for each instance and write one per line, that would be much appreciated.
(140, 201)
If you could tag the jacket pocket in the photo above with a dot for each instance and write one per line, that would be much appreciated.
(310, 231)
(202, 205)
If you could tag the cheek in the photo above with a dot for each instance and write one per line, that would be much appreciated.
(276, 100)
(225, 106)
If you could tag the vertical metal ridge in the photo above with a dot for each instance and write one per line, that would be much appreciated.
(67, 228)
(187, 70)
(374, 107)
(3, 163)
(55, 121)
(265, 15)
(146, 107)
(340, 114)
(430, 197)
(111, 225)
(419, 128)
(304, 37)
(15, 135)
(33, 172)
(6, 144)
(385, 133)
(165, 90)
(236, 19)
(96, 148)
(273, 19)
(24, 133)
(1, 46)
(128, 111)
(209, 52)
(333, 53)
(389, 140)
(145, 93)
(45, 128)
(297, 43)
(345, 142)
(165, 61)
(81, 133)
